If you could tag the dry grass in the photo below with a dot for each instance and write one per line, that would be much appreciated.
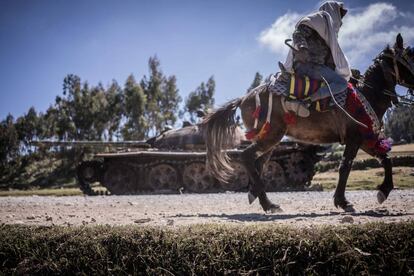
(367, 179)
(372, 249)
(48, 192)
(43, 192)
(398, 150)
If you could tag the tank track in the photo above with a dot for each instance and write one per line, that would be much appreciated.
(88, 172)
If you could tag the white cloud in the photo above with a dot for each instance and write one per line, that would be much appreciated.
(364, 33)
(275, 36)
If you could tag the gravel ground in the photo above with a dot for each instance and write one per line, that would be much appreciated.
(299, 208)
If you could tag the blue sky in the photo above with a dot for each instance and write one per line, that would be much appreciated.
(43, 41)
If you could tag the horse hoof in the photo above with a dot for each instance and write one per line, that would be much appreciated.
(349, 208)
(344, 205)
(381, 197)
(274, 209)
(251, 197)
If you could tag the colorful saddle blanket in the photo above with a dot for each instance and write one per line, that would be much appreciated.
(302, 87)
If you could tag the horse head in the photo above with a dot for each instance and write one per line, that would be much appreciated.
(393, 66)
(402, 65)
(404, 60)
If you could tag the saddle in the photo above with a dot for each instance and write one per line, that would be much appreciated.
(294, 87)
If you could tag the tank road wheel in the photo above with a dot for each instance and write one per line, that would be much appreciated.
(273, 176)
(240, 179)
(119, 179)
(87, 173)
(299, 171)
(196, 178)
(90, 171)
(163, 177)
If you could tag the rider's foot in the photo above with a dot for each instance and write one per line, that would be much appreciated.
(301, 108)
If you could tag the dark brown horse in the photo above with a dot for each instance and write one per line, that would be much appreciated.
(388, 70)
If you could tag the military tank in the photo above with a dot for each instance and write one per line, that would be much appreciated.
(175, 162)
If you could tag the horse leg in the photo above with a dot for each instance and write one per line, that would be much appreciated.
(262, 160)
(257, 188)
(387, 185)
(254, 157)
(351, 149)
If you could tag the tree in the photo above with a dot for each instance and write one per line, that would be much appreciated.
(200, 99)
(170, 101)
(134, 108)
(70, 125)
(152, 87)
(115, 110)
(9, 142)
(258, 78)
(50, 123)
(162, 98)
(27, 128)
(399, 124)
(98, 109)
(83, 113)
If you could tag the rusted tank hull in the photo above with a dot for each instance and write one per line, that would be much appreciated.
(291, 167)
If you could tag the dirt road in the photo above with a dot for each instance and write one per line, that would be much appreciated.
(299, 208)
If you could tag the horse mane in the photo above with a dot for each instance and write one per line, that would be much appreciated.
(375, 82)
(387, 48)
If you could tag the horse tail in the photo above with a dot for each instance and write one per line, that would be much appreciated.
(219, 129)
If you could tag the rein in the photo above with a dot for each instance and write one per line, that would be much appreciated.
(407, 64)
(396, 58)
(340, 107)
(402, 99)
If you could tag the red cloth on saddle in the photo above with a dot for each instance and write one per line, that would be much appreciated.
(372, 140)
(290, 118)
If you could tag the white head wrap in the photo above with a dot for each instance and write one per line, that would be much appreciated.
(326, 23)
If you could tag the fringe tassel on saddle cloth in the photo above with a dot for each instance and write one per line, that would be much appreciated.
(255, 134)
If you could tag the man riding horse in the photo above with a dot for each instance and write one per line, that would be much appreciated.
(267, 119)
(318, 54)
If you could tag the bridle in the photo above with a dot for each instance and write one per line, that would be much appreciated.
(397, 57)
(402, 58)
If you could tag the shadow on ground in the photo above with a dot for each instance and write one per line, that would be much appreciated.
(261, 217)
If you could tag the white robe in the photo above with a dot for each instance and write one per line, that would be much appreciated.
(326, 23)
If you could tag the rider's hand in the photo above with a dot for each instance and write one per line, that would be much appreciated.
(302, 55)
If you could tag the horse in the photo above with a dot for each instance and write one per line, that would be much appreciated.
(394, 65)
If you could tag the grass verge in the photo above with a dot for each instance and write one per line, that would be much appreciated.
(367, 179)
(43, 192)
(384, 249)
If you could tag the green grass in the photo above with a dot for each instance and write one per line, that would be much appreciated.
(386, 249)
(43, 192)
(48, 192)
(367, 179)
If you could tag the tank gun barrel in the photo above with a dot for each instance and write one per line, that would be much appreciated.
(119, 144)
